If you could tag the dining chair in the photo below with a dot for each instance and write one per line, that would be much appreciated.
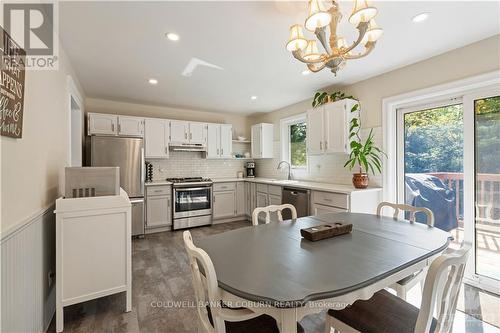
(403, 286)
(215, 316)
(387, 313)
(270, 209)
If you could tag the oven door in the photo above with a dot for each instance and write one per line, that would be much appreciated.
(194, 201)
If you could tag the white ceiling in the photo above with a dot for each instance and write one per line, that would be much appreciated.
(117, 46)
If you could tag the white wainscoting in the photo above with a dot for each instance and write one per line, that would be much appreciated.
(27, 257)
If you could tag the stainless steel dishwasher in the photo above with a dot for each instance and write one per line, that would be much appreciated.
(299, 198)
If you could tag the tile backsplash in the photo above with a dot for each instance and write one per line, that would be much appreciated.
(194, 164)
(321, 168)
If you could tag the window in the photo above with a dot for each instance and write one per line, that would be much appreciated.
(294, 145)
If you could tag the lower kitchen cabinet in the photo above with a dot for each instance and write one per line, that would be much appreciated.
(318, 209)
(158, 206)
(224, 204)
(261, 199)
(240, 199)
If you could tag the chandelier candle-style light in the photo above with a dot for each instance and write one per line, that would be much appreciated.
(336, 49)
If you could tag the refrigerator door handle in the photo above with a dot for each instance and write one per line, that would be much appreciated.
(143, 171)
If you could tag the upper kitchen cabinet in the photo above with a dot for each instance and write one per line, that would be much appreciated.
(262, 140)
(219, 140)
(156, 138)
(328, 128)
(184, 132)
(130, 126)
(102, 124)
(108, 124)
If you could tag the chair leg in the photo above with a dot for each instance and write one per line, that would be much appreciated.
(401, 293)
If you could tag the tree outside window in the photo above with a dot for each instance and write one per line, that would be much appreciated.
(298, 148)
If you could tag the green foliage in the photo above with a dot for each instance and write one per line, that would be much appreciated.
(298, 148)
(323, 97)
(363, 154)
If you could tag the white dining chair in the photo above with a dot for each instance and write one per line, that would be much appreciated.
(384, 312)
(403, 286)
(271, 209)
(213, 315)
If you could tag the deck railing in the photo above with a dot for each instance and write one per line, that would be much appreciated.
(487, 194)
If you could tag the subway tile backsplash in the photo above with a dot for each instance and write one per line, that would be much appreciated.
(324, 168)
(194, 164)
(321, 168)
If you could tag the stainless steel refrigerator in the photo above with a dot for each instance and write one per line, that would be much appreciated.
(128, 154)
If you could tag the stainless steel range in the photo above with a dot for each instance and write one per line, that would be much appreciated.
(192, 202)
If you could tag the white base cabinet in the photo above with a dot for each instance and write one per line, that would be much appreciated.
(229, 200)
(158, 206)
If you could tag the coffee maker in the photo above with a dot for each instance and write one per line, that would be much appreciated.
(250, 166)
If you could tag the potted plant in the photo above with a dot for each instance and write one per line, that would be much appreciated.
(364, 154)
(322, 97)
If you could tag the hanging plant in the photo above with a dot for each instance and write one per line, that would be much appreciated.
(322, 97)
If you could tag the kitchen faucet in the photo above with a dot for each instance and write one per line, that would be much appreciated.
(279, 167)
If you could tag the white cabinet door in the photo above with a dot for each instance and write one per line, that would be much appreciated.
(130, 126)
(248, 199)
(226, 141)
(336, 126)
(179, 132)
(158, 211)
(224, 204)
(261, 199)
(315, 127)
(197, 133)
(102, 124)
(256, 141)
(156, 138)
(213, 141)
(240, 199)
(318, 209)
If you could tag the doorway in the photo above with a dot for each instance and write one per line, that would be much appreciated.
(75, 125)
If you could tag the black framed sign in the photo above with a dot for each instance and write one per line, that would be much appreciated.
(12, 74)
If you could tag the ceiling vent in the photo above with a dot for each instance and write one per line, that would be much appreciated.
(194, 63)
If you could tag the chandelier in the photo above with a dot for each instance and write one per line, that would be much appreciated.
(337, 52)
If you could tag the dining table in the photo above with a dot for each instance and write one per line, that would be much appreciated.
(271, 269)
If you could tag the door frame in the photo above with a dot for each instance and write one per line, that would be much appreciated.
(74, 95)
(471, 276)
(461, 89)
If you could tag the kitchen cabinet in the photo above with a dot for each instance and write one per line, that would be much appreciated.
(318, 209)
(156, 138)
(261, 199)
(262, 140)
(179, 132)
(328, 128)
(158, 206)
(250, 198)
(219, 141)
(197, 133)
(224, 204)
(240, 199)
(102, 124)
(130, 126)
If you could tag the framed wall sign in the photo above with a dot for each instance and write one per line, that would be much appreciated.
(12, 74)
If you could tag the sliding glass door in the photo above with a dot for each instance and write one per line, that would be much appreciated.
(482, 148)
(449, 161)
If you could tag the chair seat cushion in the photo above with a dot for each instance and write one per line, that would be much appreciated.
(383, 312)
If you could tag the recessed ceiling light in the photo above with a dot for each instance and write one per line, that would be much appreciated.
(253, 98)
(172, 36)
(420, 17)
(306, 72)
(153, 82)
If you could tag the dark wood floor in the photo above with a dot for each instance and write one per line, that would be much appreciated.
(160, 276)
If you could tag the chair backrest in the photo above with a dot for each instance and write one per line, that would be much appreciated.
(407, 208)
(272, 208)
(441, 289)
(205, 285)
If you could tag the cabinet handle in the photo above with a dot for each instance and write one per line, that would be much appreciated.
(166, 150)
(217, 151)
(326, 145)
(112, 127)
(222, 151)
(185, 135)
(119, 128)
(321, 145)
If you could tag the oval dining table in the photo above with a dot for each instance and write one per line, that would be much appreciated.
(272, 270)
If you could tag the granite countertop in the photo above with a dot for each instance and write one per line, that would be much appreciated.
(327, 187)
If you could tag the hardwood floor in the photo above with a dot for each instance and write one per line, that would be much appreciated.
(162, 294)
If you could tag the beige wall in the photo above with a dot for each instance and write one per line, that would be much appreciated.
(31, 167)
(239, 122)
(471, 60)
